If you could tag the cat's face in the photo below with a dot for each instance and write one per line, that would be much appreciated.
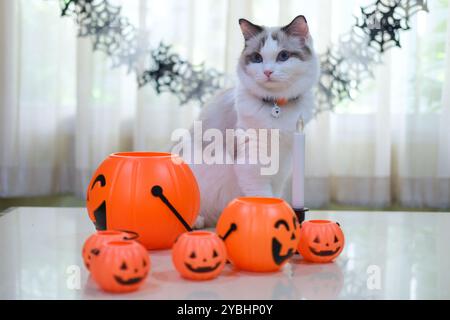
(278, 61)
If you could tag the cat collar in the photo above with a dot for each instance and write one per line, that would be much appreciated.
(277, 104)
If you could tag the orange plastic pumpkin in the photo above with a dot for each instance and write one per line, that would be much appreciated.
(96, 240)
(320, 240)
(199, 255)
(121, 266)
(152, 194)
(260, 234)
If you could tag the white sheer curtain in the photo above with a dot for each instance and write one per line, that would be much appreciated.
(63, 109)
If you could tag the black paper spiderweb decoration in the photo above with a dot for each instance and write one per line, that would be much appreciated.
(344, 65)
(383, 22)
(334, 83)
(350, 62)
(115, 35)
(170, 73)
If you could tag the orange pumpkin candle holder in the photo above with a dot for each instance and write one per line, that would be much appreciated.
(320, 240)
(96, 240)
(199, 255)
(153, 194)
(260, 234)
(121, 266)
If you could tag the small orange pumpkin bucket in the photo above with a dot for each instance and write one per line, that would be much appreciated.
(96, 240)
(154, 194)
(260, 234)
(121, 266)
(199, 255)
(320, 240)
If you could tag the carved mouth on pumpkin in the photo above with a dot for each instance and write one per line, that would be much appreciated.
(324, 253)
(202, 269)
(128, 282)
(100, 217)
(279, 258)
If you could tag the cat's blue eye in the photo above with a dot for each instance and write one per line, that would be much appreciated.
(283, 55)
(256, 58)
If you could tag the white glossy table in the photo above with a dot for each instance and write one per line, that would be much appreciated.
(40, 255)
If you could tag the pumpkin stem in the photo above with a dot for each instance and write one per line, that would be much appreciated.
(157, 191)
(233, 227)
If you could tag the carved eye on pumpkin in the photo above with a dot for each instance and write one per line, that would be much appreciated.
(115, 273)
(321, 240)
(99, 179)
(283, 223)
(199, 255)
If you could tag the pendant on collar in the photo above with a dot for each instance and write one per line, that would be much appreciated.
(277, 104)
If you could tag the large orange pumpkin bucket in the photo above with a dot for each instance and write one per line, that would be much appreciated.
(153, 194)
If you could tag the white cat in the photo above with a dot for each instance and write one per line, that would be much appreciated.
(276, 63)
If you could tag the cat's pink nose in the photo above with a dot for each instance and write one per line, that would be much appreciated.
(268, 73)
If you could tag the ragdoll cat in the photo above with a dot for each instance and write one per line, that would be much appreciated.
(276, 64)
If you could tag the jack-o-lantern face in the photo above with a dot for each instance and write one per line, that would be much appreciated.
(202, 265)
(98, 191)
(320, 240)
(126, 278)
(120, 266)
(139, 190)
(285, 232)
(260, 234)
(199, 255)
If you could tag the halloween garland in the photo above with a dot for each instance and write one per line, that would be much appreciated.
(347, 64)
(166, 71)
(344, 65)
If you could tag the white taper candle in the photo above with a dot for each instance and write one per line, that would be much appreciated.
(298, 174)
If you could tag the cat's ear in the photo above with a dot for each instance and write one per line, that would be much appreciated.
(297, 28)
(249, 29)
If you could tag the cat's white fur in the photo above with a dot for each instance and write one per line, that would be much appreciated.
(242, 107)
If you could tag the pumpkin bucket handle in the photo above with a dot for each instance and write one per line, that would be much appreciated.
(233, 227)
(133, 235)
(157, 191)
